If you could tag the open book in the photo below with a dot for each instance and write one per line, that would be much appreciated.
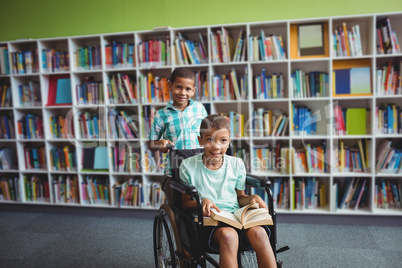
(245, 217)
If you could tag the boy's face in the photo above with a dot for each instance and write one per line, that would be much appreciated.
(215, 142)
(182, 90)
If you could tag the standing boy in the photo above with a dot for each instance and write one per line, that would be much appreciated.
(178, 123)
(220, 180)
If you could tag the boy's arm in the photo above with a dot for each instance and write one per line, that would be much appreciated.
(244, 199)
(191, 205)
(154, 142)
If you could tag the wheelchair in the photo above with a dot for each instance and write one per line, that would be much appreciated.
(178, 239)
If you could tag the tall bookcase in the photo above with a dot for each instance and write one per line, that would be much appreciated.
(102, 71)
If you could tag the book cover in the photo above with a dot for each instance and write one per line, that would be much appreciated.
(101, 158)
(342, 81)
(356, 121)
(360, 81)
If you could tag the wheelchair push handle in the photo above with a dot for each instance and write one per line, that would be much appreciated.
(169, 146)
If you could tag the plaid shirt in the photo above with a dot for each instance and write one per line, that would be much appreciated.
(180, 127)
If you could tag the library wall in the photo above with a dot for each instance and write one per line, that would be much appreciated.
(47, 18)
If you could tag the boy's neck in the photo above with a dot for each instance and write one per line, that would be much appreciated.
(212, 163)
(181, 108)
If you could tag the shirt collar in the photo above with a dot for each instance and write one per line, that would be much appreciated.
(170, 104)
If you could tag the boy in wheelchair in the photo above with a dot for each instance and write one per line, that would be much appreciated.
(220, 181)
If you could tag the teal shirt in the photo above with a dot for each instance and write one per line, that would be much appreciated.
(220, 185)
(180, 127)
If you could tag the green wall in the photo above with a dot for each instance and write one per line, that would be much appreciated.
(57, 18)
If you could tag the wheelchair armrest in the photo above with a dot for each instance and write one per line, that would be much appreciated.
(184, 187)
(257, 181)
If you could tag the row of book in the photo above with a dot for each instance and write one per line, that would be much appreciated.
(4, 62)
(312, 159)
(88, 58)
(387, 41)
(222, 47)
(35, 157)
(388, 79)
(237, 123)
(25, 62)
(9, 189)
(7, 126)
(119, 55)
(308, 193)
(122, 88)
(55, 61)
(304, 122)
(189, 52)
(154, 162)
(36, 188)
(123, 125)
(202, 91)
(95, 190)
(269, 123)
(230, 86)
(154, 53)
(388, 193)
(388, 119)
(311, 84)
(91, 126)
(63, 159)
(272, 158)
(90, 92)
(266, 48)
(132, 193)
(5, 95)
(65, 189)
(389, 157)
(347, 43)
(58, 127)
(350, 193)
(154, 89)
(353, 157)
(268, 86)
(30, 126)
(30, 94)
(8, 159)
(125, 158)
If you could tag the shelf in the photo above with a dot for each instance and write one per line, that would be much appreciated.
(249, 67)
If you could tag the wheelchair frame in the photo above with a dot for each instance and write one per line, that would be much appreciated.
(169, 251)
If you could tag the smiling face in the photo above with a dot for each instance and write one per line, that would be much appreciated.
(182, 90)
(215, 143)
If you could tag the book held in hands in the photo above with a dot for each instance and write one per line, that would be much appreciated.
(245, 217)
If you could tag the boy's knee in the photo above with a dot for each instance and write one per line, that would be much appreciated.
(227, 236)
(257, 233)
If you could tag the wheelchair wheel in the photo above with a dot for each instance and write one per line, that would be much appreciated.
(248, 259)
(166, 239)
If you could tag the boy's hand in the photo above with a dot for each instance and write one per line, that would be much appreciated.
(206, 207)
(257, 199)
(161, 145)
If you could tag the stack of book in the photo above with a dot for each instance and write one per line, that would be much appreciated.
(347, 43)
(387, 41)
(119, 55)
(312, 84)
(268, 86)
(55, 61)
(230, 87)
(122, 89)
(153, 89)
(88, 58)
(65, 189)
(189, 52)
(262, 48)
(154, 53)
(389, 80)
(95, 190)
(388, 193)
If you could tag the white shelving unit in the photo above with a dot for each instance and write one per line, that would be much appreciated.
(325, 64)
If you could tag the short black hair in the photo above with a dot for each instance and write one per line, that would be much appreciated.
(183, 72)
(215, 121)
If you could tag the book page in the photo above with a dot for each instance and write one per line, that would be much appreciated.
(250, 213)
(226, 217)
(241, 211)
(260, 219)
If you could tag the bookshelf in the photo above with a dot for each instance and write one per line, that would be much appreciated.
(96, 62)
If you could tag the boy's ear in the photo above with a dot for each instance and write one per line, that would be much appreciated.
(199, 140)
(170, 85)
